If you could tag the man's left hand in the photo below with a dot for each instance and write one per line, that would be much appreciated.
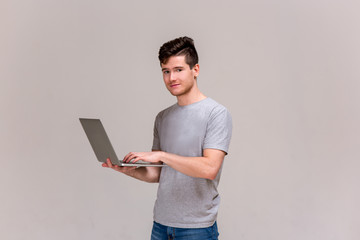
(152, 157)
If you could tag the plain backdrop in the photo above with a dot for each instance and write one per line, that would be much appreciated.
(288, 71)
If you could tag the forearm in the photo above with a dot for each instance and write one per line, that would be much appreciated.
(146, 174)
(206, 166)
(201, 167)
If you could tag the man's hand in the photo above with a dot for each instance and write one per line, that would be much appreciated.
(152, 157)
(125, 170)
(147, 174)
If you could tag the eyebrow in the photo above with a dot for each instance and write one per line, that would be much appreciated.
(173, 68)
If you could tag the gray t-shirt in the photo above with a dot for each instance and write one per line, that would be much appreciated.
(184, 201)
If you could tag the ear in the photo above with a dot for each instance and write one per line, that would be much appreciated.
(196, 70)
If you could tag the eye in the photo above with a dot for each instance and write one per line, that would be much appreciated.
(166, 72)
(178, 70)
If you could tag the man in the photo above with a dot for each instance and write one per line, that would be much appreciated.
(192, 138)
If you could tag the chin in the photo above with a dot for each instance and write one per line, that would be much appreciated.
(175, 93)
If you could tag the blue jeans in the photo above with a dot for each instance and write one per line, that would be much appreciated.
(161, 232)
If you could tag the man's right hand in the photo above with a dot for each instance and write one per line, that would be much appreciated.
(125, 170)
(147, 174)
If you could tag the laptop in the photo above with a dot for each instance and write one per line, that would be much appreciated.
(102, 147)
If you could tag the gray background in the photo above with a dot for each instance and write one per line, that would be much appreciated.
(287, 70)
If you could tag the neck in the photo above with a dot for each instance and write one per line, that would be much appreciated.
(190, 98)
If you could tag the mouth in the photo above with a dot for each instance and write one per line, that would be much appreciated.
(174, 85)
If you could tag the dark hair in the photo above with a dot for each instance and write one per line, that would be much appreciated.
(182, 46)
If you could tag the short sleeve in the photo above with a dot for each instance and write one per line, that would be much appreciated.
(156, 139)
(218, 130)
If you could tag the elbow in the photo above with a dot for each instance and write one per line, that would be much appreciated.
(212, 177)
(152, 180)
(152, 174)
(211, 174)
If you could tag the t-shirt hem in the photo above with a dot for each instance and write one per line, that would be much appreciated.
(224, 149)
(186, 225)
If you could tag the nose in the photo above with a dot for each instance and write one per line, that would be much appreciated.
(172, 76)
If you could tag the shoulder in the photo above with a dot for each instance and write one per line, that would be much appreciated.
(217, 108)
(165, 111)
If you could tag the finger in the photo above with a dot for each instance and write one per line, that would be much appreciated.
(105, 164)
(126, 157)
(135, 159)
(108, 162)
(129, 156)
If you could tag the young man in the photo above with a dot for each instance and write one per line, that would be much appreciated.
(192, 138)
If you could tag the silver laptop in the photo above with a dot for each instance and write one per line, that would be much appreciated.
(102, 147)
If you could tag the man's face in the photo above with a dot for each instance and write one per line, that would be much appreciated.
(178, 77)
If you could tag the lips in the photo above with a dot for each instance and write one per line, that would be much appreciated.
(174, 85)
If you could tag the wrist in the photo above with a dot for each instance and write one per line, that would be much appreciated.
(163, 156)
